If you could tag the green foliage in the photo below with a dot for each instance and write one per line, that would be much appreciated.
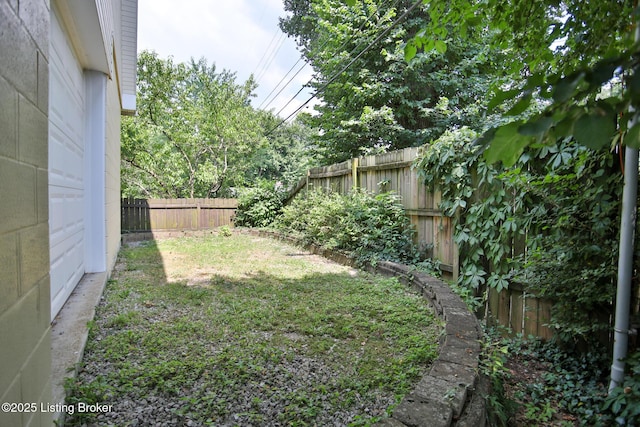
(286, 156)
(371, 227)
(225, 231)
(624, 401)
(558, 380)
(492, 365)
(568, 53)
(194, 124)
(561, 203)
(380, 102)
(196, 135)
(259, 206)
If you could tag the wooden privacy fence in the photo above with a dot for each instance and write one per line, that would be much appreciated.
(394, 172)
(176, 214)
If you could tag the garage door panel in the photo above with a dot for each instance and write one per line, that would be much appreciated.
(66, 168)
(67, 268)
(66, 214)
(65, 161)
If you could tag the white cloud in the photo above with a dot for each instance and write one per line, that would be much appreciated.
(233, 34)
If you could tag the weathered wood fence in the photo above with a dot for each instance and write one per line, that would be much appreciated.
(394, 172)
(175, 214)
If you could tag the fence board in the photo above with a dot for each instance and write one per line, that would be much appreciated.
(393, 172)
(176, 214)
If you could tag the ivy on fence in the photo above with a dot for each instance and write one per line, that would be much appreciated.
(549, 222)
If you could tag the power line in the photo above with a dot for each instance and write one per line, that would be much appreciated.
(283, 87)
(273, 56)
(320, 48)
(264, 54)
(336, 75)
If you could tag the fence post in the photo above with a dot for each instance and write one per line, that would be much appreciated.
(198, 213)
(354, 172)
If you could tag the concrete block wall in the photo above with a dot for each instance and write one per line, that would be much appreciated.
(25, 350)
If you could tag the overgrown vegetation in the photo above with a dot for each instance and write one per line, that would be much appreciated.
(370, 227)
(259, 206)
(550, 223)
(537, 383)
(240, 330)
(197, 135)
(380, 102)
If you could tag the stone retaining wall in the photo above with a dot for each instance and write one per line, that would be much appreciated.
(452, 393)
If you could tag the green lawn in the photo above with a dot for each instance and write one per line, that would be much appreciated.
(241, 330)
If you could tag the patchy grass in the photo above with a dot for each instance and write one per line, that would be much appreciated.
(240, 330)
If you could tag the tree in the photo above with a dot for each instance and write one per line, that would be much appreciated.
(380, 102)
(566, 52)
(194, 129)
(287, 154)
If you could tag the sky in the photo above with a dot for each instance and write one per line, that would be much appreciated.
(241, 36)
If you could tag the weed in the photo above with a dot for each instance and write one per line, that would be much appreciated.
(225, 231)
(229, 340)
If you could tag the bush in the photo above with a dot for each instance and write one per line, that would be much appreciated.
(370, 227)
(258, 206)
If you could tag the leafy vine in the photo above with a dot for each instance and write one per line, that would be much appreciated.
(549, 223)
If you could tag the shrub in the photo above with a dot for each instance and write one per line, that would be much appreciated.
(370, 227)
(258, 206)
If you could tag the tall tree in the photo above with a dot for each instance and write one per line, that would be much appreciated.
(381, 102)
(194, 129)
(566, 52)
(287, 155)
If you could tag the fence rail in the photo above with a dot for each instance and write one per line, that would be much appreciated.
(394, 172)
(176, 214)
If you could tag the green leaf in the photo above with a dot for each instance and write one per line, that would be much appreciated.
(536, 128)
(502, 96)
(564, 128)
(410, 51)
(632, 139)
(601, 73)
(594, 130)
(566, 87)
(441, 47)
(507, 145)
(520, 106)
(350, 3)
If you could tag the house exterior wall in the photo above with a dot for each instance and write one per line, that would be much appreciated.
(25, 353)
(25, 291)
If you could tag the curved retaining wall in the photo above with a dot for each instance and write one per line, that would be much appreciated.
(452, 392)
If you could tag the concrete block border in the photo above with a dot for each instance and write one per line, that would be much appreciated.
(453, 392)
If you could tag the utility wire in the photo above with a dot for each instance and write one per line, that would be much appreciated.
(287, 84)
(320, 48)
(264, 54)
(273, 56)
(336, 75)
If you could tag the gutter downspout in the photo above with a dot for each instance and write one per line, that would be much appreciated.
(625, 258)
(625, 266)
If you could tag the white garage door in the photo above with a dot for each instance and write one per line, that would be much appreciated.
(66, 154)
